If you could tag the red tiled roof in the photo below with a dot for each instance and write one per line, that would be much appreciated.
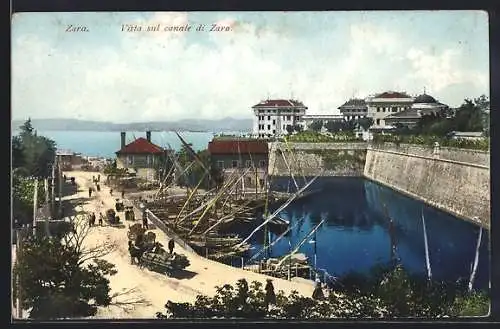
(141, 146)
(280, 103)
(392, 94)
(233, 146)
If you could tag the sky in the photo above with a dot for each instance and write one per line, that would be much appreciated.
(320, 58)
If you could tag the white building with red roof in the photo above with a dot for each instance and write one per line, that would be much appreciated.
(141, 156)
(384, 104)
(272, 116)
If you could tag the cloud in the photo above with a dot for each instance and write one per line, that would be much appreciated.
(438, 71)
(176, 75)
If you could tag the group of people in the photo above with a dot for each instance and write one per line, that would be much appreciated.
(92, 219)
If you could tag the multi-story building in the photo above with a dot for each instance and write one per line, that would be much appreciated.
(422, 105)
(354, 109)
(241, 156)
(272, 116)
(141, 156)
(382, 105)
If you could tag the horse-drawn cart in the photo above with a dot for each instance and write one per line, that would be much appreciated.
(164, 262)
(112, 218)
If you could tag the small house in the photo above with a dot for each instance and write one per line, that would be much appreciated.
(141, 157)
(237, 156)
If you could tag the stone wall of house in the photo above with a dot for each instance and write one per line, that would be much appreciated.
(311, 159)
(460, 186)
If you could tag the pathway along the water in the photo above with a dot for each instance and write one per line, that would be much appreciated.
(200, 277)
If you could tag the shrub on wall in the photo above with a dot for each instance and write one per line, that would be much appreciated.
(317, 137)
(429, 140)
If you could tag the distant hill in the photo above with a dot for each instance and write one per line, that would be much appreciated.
(195, 125)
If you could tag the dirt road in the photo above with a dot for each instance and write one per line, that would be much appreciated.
(155, 289)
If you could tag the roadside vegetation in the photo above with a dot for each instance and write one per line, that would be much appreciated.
(386, 292)
(55, 277)
(32, 160)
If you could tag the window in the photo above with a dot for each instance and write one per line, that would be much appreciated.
(268, 117)
(378, 121)
(394, 109)
(220, 164)
(262, 163)
(274, 122)
(261, 111)
(268, 127)
(248, 180)
(261, 182)
(284, 127)
(274, 132)
(234, 163)
(288, 117)
(130, 159)
(248, 163)
(378, 109)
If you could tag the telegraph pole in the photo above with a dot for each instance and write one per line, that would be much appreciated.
(59, 178)
(19, 309)
(47, 200)
(35, 205)
(52, 194)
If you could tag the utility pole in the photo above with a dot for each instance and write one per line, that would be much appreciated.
(59, 177)
(19, 309)
(35, 205)
(52, 194)
(46, 188)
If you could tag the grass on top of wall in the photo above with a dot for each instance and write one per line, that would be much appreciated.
(429, 140)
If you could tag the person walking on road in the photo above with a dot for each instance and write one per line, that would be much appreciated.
(145, 220)
(123, 194)
(90, 192)
(171, 246)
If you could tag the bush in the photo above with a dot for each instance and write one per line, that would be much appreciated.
(387, 291)
(429, 140)
(317, 137)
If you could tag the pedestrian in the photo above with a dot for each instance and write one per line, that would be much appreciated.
(318, 291)
(99, 177)
(92, 219)
(270, 297)
(123, 193)
(100, 219)
(98, 187)
(171, 246)
(90, 192)
(145, 220)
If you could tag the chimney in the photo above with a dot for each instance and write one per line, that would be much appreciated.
(123, 139)
(148, 136)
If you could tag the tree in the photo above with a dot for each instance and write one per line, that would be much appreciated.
(289, 129)
(316, 125)
(365, 122)
(23, 191)
(62, 278)
(34, 153)
(298, 128)
(333, 126)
